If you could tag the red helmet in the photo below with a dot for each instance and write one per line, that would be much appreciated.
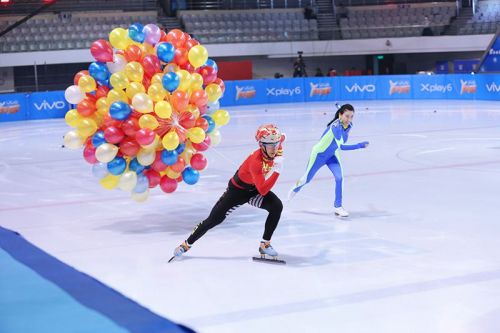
(268, 134)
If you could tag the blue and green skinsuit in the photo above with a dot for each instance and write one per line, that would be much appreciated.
(326, 151)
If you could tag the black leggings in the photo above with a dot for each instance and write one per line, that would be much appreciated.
(234, 197)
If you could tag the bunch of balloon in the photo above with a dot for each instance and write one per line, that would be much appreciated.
(146, 110)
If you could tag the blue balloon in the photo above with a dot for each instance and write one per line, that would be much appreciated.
(211, 123)
(180, 148)
(136, 166)
(165, 52)
(142, 184)
(212, 64)
(190, 176)
(169, 157)
(117, 166)
(170, 81)
(98, 139)
(99, 71)
(100, 170)
(135, 32)
(119, 110)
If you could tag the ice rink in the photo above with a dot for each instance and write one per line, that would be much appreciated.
(419, 253)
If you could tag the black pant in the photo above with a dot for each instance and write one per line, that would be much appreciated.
(234, 197)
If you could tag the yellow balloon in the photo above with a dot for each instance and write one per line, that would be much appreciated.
(72, 118)
(146, 156)
(134, 71)
(157, 78)
(196, 81)
(73, 140)
(170, 141)
(198, 55)
(110, 181)
(157, 92)
(185, 80)
(221, 117)
(214, 92)
(106, 152)
(135, 88)
(215, 137)
(101, 103)
(163, 109)
(140, 197)
(194, 110)
(115, 95)
(196, 134)
(172, 174)
(148, 121)
(187, 154)
(119, 80)
(119, 38)
(142, 103)
(87, 83)
(128, 180)
(86, 127)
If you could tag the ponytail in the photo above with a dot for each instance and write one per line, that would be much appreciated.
(341, 110)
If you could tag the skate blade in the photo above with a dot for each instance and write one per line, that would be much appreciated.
(171, 259)
(269, 261)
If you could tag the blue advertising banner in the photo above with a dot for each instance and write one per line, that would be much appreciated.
(321, 89)
(285, 91)
(394, 87)
(465, 66)
(246, 92)
(491, 61)
(431, 87)
(442, 67)
(464, 86)
(13, 107)
(488, 87)
(50, 104)
(358, 87)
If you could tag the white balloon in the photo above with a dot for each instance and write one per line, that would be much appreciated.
(73, 140)
(215, 137)
(128, 180)
(140, 197)
(118, 63)
(74, 94)
(106, 152)
(146, 157)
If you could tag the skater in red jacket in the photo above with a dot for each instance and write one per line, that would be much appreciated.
(252, 183)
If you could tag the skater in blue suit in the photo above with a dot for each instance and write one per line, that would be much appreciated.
(327, 152)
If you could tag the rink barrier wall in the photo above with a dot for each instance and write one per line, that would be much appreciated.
(43, 105)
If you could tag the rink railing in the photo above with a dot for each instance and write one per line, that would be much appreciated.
(41, 105)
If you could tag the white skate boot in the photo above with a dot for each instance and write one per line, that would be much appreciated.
(180, 250)
(265, 248)
(340, 211)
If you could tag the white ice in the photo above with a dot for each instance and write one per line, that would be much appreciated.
(419, 253)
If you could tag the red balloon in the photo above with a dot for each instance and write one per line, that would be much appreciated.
(202, 123)
(113, 134)
(145, 136)
(89, 154)
(187, 66)
(163, 36)
(208, 73)
(130, 126)
(146, 81)
(168, 185)
(191, 42)
(181, 56)
(179, 179)
(153, 177)
(102, 50)
(102, 91)
(179, 165)
(86, 107)
(151, 64)
(79, 75)
(133, 53)
(199, 97)
(110, 121)
(179, 100)
(202, 146)
(177, 38)
(158, 164)
(187, 120)
(218, 81)
(198, 162)
(129, 146)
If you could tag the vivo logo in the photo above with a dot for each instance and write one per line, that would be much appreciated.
(493, 87)
(283, 91)
(357, 88)
(436, 87)
(50, 106)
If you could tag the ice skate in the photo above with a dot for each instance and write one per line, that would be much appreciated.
(265, 249)
(341, 212)
(180, 250)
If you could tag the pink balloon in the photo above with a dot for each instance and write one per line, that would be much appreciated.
(145, 136)
(102, 50)
(198, 162)
(113, 134)
(153, 178)
(89, 154)
(202, 146)
(168, 185)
